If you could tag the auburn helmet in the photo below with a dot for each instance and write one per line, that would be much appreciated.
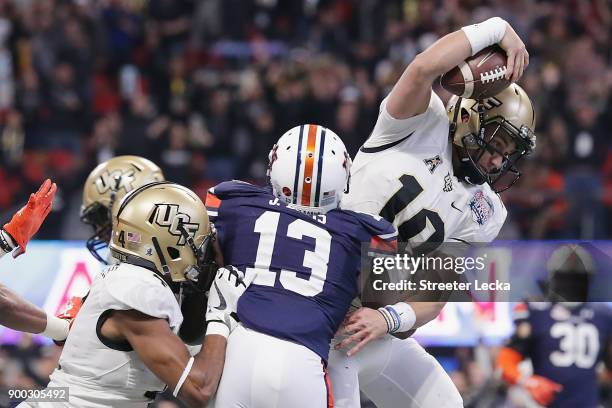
(163, 227)
(474, 124)
(309, 169)
(107, 184)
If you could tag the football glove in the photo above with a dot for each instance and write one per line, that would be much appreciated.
(26, 222)
(69, 313)
(541, 389)
(227, 287)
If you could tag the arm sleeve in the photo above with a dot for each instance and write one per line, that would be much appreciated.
(213, 203)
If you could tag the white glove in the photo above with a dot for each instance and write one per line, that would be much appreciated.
(226, 289)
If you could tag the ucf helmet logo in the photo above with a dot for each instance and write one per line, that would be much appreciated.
(115, 181)
(168, 216)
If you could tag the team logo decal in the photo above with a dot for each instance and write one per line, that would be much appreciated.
(448, 183)
(482, 208)
(488, 103)
(168, 215)
(433, 163)
(115, 181)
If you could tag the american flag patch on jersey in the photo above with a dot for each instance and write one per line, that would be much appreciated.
(134, 237)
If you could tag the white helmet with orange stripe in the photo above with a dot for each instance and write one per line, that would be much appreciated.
(309, 169)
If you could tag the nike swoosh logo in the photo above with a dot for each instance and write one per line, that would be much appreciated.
(482, 61)
(222, 303)
(453, 205)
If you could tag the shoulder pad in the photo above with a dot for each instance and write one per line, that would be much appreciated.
(375, 224)
(237, 188)
(133, 287)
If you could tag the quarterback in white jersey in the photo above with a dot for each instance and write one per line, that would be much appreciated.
(123, 345)
(435, 174)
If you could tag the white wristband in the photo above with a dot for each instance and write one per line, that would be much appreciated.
(216, 327)
(6, 243)
(400, 317)
(484, 34)
(57, 328)
(183, 377)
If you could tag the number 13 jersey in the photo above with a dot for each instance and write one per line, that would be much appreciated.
(306, 266)
(404, 173)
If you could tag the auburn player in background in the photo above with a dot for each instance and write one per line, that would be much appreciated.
(565, 337)
(434, 173)
(305, 254)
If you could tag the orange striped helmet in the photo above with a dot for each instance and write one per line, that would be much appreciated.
(309, 169)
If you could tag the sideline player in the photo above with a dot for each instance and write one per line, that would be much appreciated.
(565, 337)
(122, 346)
(435, 175)
(15, 312)
(306, 255)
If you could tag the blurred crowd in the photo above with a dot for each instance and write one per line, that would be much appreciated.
(205, 87)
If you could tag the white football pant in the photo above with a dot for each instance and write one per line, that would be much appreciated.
(393, 373)
(262, 371)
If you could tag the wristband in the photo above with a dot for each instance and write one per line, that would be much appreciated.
(183, 377)
(400, 317)
(56, 328)
(217, 327)
(7, 244)
(484, 34)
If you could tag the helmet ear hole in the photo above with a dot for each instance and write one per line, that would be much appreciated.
(173, 252)
(465, 115)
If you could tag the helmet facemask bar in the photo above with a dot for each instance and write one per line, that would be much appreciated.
(98, 216)
(202, 273)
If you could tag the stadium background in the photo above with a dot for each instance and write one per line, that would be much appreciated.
(204, 88)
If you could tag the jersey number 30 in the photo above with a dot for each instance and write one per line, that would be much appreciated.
(266, 226)
(579, 344)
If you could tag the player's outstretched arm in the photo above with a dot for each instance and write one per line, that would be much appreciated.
(366, 324)
(15, 312)
(18, 314)
(410, 95)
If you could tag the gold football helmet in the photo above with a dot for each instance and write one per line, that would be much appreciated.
(163, 227)
(474, 124)
(107, 184)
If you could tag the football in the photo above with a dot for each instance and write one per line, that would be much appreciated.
(480, 76)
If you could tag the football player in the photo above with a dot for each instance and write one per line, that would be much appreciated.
(106, 185)
(433, 173)
(305, 254)
(15, 312)
(123, 344)
(565, 338)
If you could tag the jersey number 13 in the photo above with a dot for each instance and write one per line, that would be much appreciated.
(266, 226)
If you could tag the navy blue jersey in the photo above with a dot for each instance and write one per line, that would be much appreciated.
(306, 266)
(565, 345)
